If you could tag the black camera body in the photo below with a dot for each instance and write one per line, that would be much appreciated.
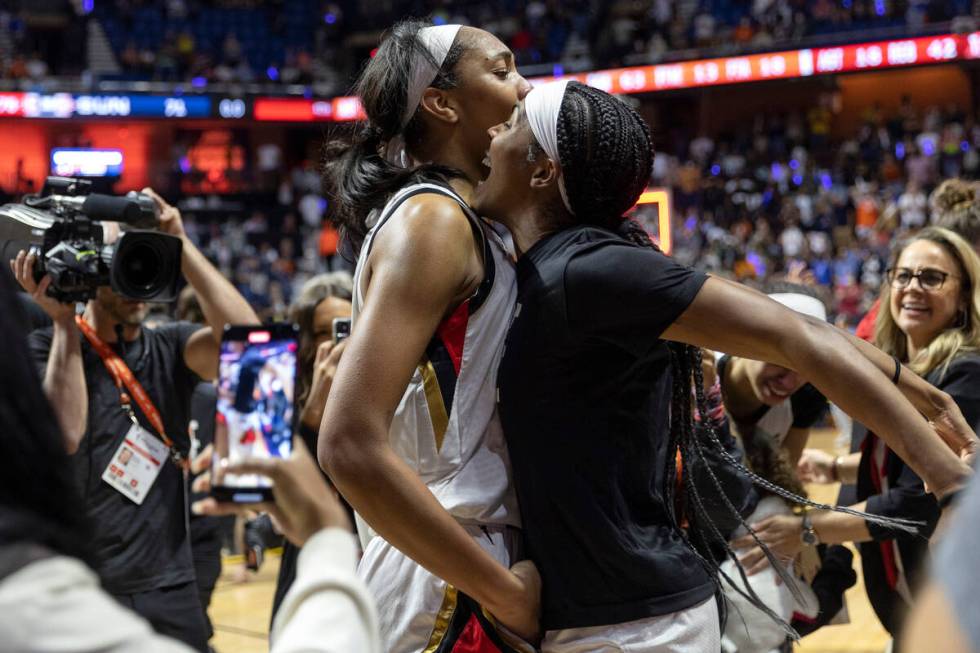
(61, 226)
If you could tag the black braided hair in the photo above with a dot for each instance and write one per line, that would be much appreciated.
(606, 156)
(357, 178)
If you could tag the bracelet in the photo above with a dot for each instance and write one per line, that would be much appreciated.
(835, 469)
(898, 370)
(948, 499)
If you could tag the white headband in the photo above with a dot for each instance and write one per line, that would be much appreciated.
(437, 41)
(542, 106)
(802, 304)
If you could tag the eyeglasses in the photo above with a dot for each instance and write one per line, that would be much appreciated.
(929, 279)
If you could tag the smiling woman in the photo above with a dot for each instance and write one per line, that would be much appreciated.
(595, 404)
(410, 434)
(930, 320)
(934, 310)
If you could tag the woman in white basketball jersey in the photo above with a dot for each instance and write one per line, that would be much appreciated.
(410, 435)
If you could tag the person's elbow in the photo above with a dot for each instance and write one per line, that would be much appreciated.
(342, 452)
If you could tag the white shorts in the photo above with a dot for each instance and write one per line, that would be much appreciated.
(694, 630)
(410, 600)
(748, 629)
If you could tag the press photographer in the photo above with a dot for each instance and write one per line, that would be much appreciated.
(122, 392)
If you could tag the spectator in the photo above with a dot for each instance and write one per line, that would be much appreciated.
(142, 546)
(50, 598)
(930, 320)
(322, 299)
(912, 206)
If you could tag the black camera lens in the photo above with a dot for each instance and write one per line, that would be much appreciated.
(142, 265)
(146, 266)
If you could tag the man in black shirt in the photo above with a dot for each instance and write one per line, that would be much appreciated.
(141, 533)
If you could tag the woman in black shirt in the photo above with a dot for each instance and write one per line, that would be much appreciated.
(585, 386)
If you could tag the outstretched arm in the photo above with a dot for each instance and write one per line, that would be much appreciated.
(423, 264)
(937, 406)
(760, 328)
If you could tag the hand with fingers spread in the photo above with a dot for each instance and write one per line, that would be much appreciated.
(303, 504)
(170, 220)
(324, 369)
(782, 534)
(23, 269)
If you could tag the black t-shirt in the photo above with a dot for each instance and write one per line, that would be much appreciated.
(139, 547)
(585, 388)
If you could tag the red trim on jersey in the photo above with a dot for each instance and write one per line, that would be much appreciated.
(452, 332)
(474, 639)
(878, 476)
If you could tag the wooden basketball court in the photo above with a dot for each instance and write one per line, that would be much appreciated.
(240, 610)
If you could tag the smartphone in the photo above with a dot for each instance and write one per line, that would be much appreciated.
(341, 329)
(255, 410)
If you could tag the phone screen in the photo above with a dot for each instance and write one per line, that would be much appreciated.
(341, 329)
(255, 406)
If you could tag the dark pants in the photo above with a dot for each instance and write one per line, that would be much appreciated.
(173, 611)
(287, 575)
(206, 550)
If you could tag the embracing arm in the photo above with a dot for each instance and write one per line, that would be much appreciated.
(760, 328)
(422, 264)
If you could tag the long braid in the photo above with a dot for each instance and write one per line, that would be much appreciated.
(701, 526)
(906, 525)
(597, 131)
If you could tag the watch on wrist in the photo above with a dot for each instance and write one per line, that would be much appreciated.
(808, 534)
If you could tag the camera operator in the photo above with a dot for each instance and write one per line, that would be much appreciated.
(122, 394)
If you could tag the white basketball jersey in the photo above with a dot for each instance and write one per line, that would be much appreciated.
(446, 426)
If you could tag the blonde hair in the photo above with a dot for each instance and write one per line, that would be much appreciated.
(960, 338)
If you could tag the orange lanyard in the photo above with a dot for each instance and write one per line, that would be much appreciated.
(123, 376)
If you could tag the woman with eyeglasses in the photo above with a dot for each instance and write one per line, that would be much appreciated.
(930, 320)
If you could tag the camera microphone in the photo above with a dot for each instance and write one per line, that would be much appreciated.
(133, 209)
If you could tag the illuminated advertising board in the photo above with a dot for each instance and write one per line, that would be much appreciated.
(788, 64)
(86, 162)
(67, 105)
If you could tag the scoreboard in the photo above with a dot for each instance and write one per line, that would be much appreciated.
(789, 64)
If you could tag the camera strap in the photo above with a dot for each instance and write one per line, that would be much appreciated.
(126, 381)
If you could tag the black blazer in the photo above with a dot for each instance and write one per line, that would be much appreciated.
(906, 498)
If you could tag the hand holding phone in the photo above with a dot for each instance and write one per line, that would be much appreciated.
(303, 505)
(324, 368)
(254, 413)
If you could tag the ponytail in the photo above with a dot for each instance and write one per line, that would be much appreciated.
(357, 179)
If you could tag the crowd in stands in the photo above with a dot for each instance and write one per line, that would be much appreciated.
(777, 197)
(323, 43)
(781, 196)
(271, 250)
